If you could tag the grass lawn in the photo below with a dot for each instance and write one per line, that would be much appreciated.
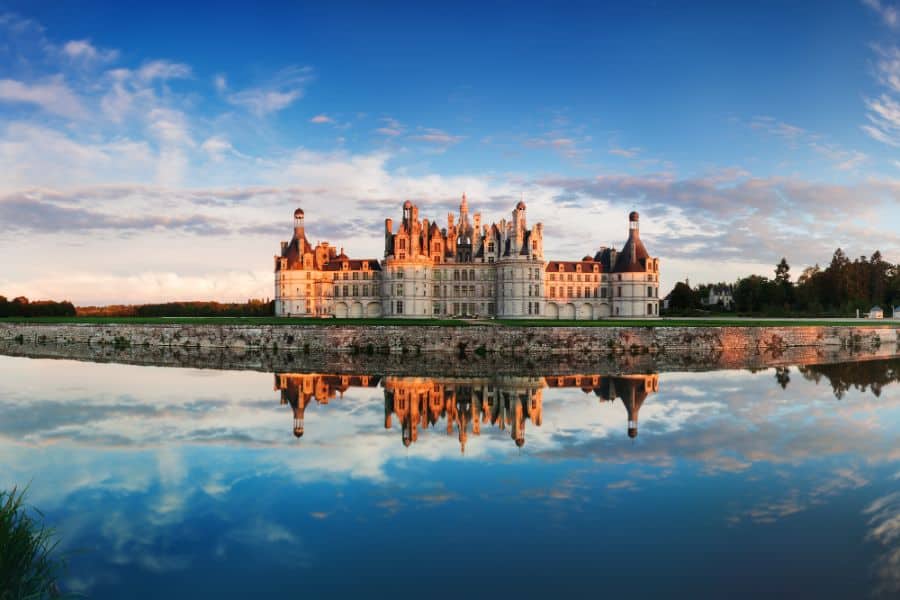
(233, 321)
(697, 322)
(673, 322)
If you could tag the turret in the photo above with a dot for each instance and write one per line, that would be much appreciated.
(298, 224)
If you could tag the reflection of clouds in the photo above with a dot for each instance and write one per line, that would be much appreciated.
(884, 528)
(801, 496)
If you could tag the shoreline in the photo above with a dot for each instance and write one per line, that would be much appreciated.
(430, 365)
(476, 339)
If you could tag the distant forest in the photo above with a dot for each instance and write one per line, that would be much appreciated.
(841, 288)
(251, 308)
(22, 307)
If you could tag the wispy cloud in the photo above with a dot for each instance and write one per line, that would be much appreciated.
(163, 70)
(884, 120)
(625, 152)
(437, 137)
(284, 89)
(773, 126)
(888, 13)
(52, 95)
(391, 128)
(320, 119)
(563, 145)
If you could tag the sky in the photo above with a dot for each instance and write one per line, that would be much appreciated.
(157, 152)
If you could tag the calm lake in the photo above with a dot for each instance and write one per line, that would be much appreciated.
(188, 483)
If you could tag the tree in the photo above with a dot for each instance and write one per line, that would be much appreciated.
(783, 272)
(682, 297)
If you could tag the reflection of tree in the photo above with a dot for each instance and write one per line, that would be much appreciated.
(862, 375)
(783, 376)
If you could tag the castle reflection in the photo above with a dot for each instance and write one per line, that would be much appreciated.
(463, 404)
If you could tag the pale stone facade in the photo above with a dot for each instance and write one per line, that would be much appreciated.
(467, 268)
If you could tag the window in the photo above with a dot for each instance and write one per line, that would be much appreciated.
(398, 289)
(399, 274)
(399, 310)
(552, 291)
(344, 291)
(436, 309)
(619, 292)
(356, 290)
(365, 290)
(402, 244)
(649, 308)
(537, 308)
(649, 291)
(569, 291)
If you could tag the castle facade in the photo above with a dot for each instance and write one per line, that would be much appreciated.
(465, 269)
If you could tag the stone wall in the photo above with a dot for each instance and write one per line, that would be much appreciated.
(440, 365)
(478, 340)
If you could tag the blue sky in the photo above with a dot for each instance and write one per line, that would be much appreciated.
(164, 149)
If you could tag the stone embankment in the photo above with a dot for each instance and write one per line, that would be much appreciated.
(440, 365)
(478, 340)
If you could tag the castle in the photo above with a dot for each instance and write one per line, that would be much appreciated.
(466, 269)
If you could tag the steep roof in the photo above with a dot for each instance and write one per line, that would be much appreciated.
(354, 264)
(633, 257)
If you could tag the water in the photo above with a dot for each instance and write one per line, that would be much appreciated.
(186, 483)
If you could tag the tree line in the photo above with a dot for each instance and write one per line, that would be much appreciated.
(22, 307)
(840, 288)
(251, 308)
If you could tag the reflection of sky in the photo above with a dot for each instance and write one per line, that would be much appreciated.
(181, 483)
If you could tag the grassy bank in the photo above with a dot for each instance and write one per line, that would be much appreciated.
(28, 565)
(669, 322)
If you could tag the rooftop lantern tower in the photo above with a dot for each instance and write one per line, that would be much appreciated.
(298, 224)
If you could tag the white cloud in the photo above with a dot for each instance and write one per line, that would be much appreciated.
(216, 146)
(52, 95)
(262, 102)
(83, 50)
(163, 69)
(321, 119)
